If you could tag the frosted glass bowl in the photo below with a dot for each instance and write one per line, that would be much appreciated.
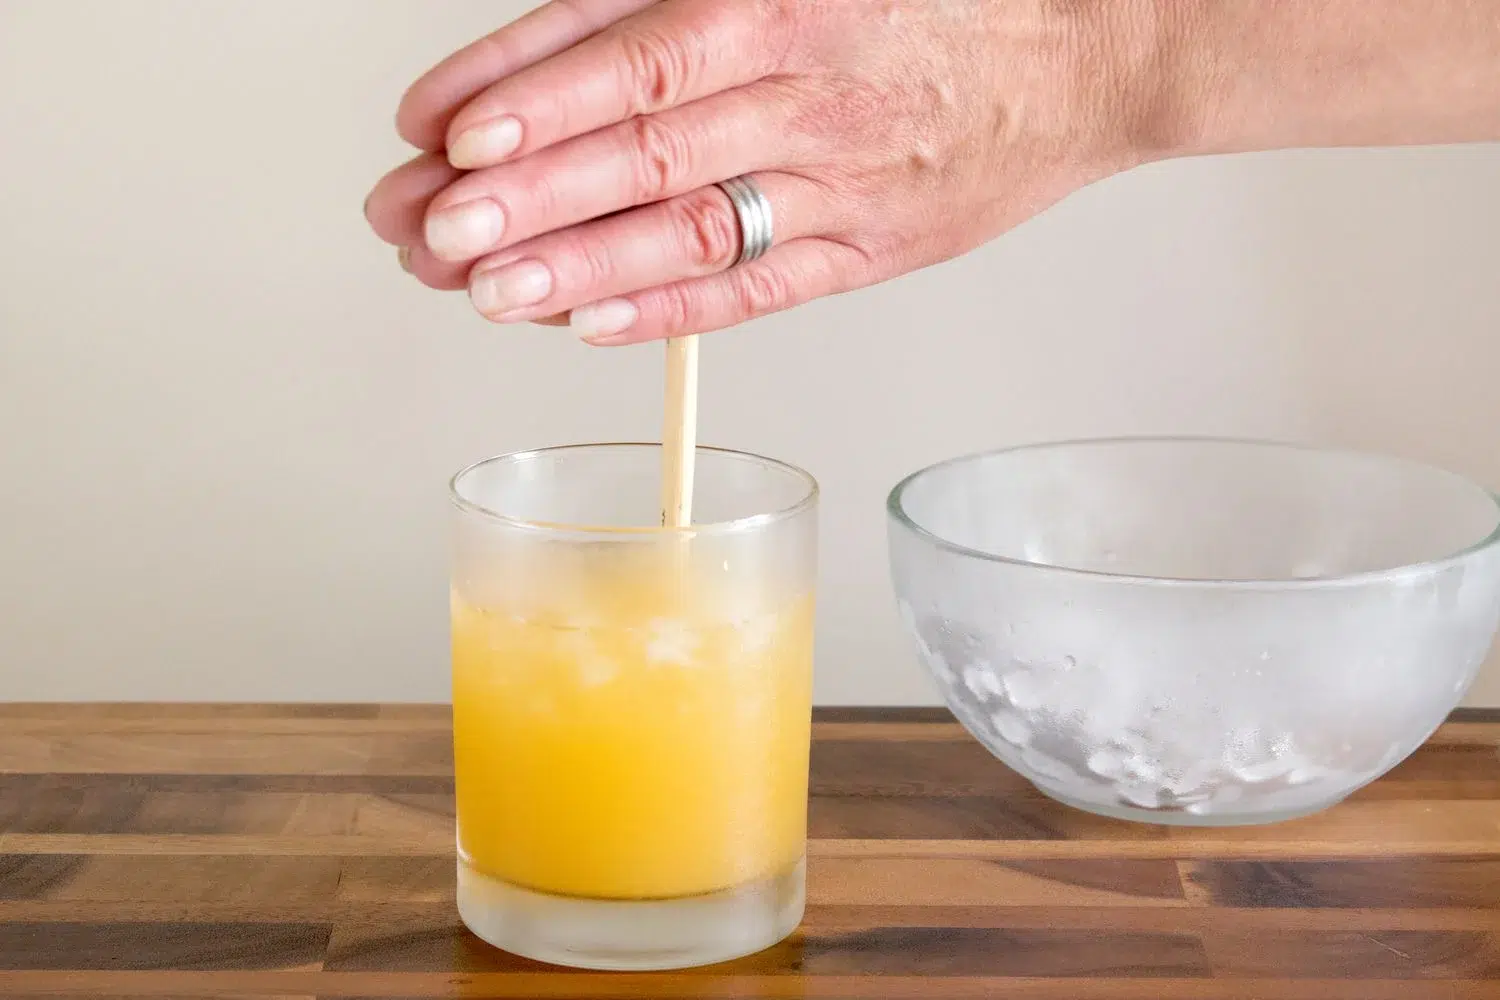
(1197, 632)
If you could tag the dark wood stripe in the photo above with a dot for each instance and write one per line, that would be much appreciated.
(949, 768)
(1064, 915)
(187, 946)
(377, 945)
(1449, 762)
(1407, 882)
(1475, 715)
(86, 878)
(1066, 911)
(32, 804)
(1024, 816)
(36, 876)
(972, 951)
(878, 714)
(439, 712)
(1365, 955)
(940, 713)
(1148, 879)
(1440, 771)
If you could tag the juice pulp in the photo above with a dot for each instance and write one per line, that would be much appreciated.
(612, 753)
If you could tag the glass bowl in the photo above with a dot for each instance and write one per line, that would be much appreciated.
(1194, 631)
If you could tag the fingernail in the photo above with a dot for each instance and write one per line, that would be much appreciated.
(403, 257)
(604, 319)
(524, 283)
(485, 145)
(465, 231)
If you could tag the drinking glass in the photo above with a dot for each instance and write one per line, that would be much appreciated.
(631, 705)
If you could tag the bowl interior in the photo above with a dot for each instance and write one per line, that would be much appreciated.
(1199, 509)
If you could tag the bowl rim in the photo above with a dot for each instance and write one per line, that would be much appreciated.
(897, 513)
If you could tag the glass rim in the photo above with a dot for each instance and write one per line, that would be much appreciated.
(896, 510)
(750, 522)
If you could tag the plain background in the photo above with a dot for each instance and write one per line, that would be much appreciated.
(227, 418)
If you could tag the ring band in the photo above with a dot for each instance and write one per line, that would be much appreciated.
(753, 209)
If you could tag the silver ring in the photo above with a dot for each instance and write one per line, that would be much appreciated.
(754, 211)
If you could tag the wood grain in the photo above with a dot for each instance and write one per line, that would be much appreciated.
(306, 851)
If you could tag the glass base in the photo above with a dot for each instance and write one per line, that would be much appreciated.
(632, 935)
(1168, 817)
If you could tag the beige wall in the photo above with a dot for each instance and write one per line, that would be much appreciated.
(226, 418)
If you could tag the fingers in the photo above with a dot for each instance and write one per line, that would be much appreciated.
(398, 204)
(789, 275)
(692, 235)
(431, 102)
(670, 54)
(637, 162)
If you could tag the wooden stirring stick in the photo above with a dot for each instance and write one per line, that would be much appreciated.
(679, 437)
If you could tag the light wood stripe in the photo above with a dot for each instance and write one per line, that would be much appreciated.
(239, 726)
(1466, 726)
(683, 986)
(427, 753)
(90, 710)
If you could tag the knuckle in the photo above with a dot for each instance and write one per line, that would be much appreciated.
(497, 49)
(571, 12)
(594, 264)
(536, 196)
(781, 23)
(707, 230)
(674, 309)
(662, 156)
(862, 265)
(659, 68)
(761, 289)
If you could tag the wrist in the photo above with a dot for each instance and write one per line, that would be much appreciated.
(1136, 62)
(1243, 77)
(1223, 73)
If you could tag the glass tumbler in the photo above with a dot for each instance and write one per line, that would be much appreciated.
(631, 705)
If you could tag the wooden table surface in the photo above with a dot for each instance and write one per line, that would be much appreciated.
(276, 851)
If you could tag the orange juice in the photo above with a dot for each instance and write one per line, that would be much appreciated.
(623, 750)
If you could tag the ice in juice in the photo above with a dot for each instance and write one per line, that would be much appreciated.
(631, 746)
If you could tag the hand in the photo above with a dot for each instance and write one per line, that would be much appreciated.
(570, 158)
